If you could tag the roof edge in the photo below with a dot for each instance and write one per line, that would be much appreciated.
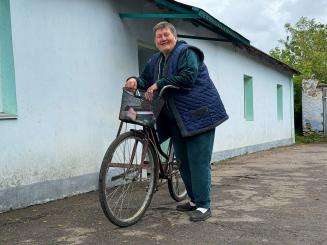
(220, 28)
(269, 59)
(216, 25)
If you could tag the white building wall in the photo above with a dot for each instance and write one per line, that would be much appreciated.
(71, 58)
(227, 68)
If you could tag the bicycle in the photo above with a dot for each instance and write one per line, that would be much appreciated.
(135, 163)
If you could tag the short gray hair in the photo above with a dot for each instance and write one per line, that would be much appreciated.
(165, 24)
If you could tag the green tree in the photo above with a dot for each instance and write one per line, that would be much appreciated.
(305, 49)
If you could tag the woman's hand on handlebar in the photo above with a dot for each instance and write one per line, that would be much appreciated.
(131, 84)
(150, 91)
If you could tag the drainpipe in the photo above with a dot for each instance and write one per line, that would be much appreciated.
(324, 103)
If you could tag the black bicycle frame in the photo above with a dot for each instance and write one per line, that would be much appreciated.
(151, 135)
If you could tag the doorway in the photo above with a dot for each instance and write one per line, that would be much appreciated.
(145, 51)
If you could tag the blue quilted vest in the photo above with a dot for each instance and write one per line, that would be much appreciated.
(196, 109)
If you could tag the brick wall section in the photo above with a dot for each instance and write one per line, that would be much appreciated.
(312, 107)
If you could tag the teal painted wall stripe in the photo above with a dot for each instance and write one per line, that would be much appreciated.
(7, 75)
(248, 98)
(279, 102)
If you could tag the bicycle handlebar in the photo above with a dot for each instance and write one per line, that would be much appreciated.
(166, 88)
(138, 94)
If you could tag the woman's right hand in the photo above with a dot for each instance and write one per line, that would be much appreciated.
(131, 84)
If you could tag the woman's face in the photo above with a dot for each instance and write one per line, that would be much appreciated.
(165, 40)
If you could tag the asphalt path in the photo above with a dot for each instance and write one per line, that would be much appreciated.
(272, 197)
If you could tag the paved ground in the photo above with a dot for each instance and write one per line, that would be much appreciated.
(272, 197)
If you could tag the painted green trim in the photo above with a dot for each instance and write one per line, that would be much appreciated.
(1, 106)
(222, 27)
(280, 102)
(6, 116)
(172, 6)
(248, 98)
(157, 16)
(204, 38)
(189, 12)
(7, 71)
(216, 25)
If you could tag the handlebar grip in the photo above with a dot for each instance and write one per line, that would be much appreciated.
(166, 88)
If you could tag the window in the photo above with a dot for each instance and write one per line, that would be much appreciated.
(144, 53)
(248, 98)
(1, 107)
(8, 105)
(279, 102)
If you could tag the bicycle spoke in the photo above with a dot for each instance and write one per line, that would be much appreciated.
(129, 199)
(122, 200)
(113, 193)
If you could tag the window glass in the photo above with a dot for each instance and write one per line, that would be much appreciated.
(279, 102)
(8, 103)
(248, 98)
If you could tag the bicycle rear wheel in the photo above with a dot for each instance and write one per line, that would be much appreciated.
(176, 185)
(127, 179)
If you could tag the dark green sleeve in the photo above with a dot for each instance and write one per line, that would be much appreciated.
(188, 66)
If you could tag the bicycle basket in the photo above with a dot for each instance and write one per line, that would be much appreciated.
(137, 110)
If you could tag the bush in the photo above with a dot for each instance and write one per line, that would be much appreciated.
(311, 138)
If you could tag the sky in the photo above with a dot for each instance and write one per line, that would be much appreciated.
(262, 21)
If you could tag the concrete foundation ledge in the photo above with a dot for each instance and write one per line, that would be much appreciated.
(23, 196)
(221, 155)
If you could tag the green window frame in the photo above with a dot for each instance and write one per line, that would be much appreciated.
(279, 102)
(1, 106)
(248, 98)
(8, 103)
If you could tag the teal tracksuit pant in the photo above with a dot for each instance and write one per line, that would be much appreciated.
(194, 154)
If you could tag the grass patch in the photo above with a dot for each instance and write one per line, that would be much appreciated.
(312, 138)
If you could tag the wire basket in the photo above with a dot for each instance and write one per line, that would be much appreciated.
(137, 110)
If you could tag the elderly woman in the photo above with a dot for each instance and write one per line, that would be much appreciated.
(190, 114)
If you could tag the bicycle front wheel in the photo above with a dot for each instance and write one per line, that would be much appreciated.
(127, 179)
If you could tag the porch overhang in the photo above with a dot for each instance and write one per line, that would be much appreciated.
(182, 11)
(176, 10)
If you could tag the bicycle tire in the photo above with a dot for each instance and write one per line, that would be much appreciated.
(105, 186)
(176, 190)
